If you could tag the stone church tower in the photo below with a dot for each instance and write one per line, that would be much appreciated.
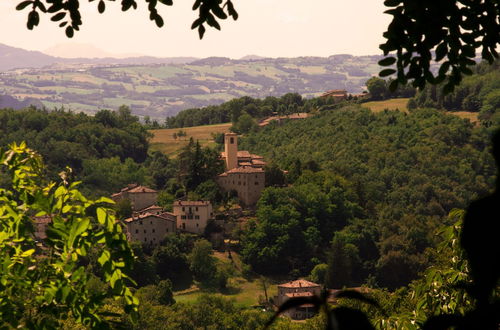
(231, 150)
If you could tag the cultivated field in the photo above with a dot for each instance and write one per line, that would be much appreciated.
(163, 139)
(390, 104)
(400, 104)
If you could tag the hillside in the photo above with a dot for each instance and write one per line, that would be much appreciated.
(405, 172)
(161, 90)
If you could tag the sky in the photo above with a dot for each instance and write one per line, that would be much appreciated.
(271, 28)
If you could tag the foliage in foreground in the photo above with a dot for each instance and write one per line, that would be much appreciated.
(42, 285)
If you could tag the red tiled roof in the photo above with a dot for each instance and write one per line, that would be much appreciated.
(243, 154)
(245, 169)
(152, 207)
(191, 203)
(299, 284)
(134, 188)
(147, 215)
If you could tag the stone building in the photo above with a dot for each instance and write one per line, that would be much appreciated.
(298, 288)
(139, 196)
(244, 171)
(150, 228)
(336, 94)
(192, 216)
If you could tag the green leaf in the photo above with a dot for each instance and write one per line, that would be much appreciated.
(441, 51)
(101, 215)
(58, 16)
(27, 253)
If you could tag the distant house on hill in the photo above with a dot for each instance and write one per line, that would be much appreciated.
(192, 216)
(140, 197)
(336, 94)
(294, 116)
(150, 228)
(298, 288)
(244, 171)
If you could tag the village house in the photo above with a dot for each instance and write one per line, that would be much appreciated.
(298, 288)
(192, 216)
(244, 172)
(336, 94)
(139, 196)
(150, 228)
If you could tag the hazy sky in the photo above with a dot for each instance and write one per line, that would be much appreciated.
(273, 28)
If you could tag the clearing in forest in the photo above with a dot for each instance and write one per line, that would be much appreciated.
(163, 139)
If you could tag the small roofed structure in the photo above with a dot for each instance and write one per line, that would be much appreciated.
(336, 94)
(139, 196)
(150, 228)
(294, 289)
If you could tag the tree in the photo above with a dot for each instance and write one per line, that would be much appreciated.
(376, 87)
(453, 29)
(41, 287)
(68, 14)
(202, 263)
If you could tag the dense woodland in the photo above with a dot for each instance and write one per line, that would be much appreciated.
(377, 184)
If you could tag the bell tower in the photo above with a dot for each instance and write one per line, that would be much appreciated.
(231, 150)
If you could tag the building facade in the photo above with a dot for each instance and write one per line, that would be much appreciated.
(298, 288)
(139, 196)
(150, 228)
(192, 216)
(244, 172)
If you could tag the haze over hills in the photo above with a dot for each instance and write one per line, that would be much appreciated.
(161, 87)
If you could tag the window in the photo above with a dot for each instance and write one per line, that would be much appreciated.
(190, 216)
(256, 183)
(153, 230)
(151, 222)
(140, 222)
(144, 231)
(167, 230)
(231, 140)
(196, 208)
(197, 225)
(183, 217)
(145, 239)
(197, 217)
(183, 209)
(243, 182)
(190, 210)
(137, 231)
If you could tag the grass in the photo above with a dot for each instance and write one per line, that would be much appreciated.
(164, 141)
(400, 104)
(390, 104)
(245, 292)
(472, 116)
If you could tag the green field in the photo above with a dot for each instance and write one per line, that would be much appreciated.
(164, 141)
(390, 104)
(245, 292)
(400, 104)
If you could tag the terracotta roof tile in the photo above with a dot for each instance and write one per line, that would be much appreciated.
(245, 169)
(299, 284)
(191, 203)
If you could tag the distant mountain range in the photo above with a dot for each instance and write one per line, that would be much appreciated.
(160, 87)
(17, 58)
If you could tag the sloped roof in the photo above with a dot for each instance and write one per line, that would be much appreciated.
(148, 215)
(191, 203)
(299, 284)
(245, 169)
